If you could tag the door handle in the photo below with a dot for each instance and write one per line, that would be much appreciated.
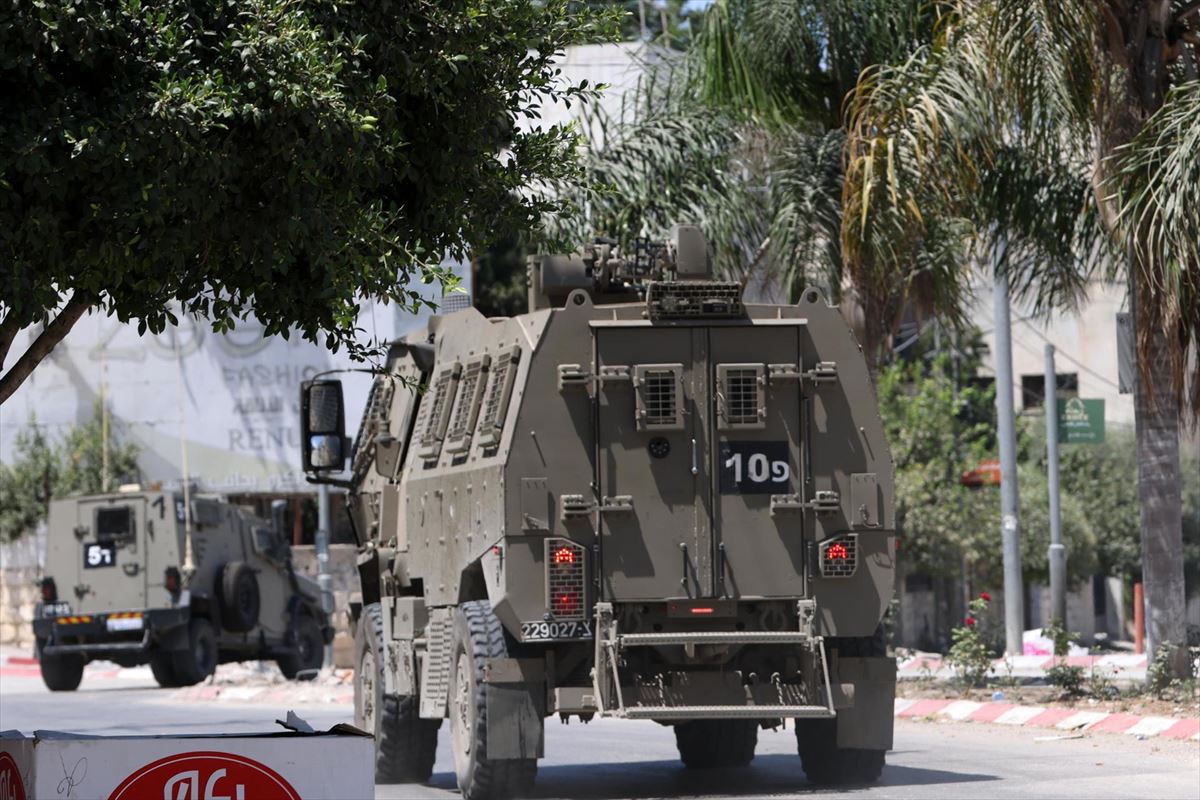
(131, 569)
(695, 465)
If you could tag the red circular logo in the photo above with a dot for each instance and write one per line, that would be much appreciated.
(11, 787)
(205, 776)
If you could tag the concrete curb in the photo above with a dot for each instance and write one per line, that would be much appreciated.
(1123, 666)
(1062, 719)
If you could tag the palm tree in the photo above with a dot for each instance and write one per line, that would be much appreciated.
(1070, 126)
(745, 134)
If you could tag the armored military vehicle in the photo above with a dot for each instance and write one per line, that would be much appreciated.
(646, 498)
(118, 585)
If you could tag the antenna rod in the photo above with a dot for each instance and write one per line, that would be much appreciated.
(189, 564)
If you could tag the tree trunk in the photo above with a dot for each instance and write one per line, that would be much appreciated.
(1156, 411)
(42, 345)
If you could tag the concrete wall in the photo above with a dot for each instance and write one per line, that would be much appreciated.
(20, 568)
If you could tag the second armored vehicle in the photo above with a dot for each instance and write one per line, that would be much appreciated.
(117, 586)
(645, 498)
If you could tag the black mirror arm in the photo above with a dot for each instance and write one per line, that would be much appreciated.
(335, 482)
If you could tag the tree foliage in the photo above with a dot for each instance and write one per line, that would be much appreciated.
(47, 467)
(938, 429)
(269, 158)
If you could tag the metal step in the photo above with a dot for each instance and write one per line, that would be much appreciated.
(713, 637)
(726, 712)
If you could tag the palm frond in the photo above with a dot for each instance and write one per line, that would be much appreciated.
(1157, 186)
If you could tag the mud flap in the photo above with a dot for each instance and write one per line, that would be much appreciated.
(514, 722)
(515, 697)
(865, 696)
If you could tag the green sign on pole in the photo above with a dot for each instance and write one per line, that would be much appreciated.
(1080, 421)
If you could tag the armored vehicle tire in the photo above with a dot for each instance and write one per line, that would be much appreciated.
(61, 673)
(240, 600)
(824, 762)
(162, 667)
(199, 660)
(716, 743)
(405, 744)
(478, 637)
(308, 657)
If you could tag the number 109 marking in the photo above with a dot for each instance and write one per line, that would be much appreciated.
(755, 467)
(758, 468)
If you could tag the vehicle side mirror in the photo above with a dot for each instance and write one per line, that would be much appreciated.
(388, 450)
(322, 426)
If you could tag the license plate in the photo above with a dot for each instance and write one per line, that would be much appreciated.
(56, 609)
(542, 631)
(115, 624)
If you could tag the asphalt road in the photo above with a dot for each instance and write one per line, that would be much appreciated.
(609, 760)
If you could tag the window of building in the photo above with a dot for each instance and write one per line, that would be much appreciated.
(1033, 388)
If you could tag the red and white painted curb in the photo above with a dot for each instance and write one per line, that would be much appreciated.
(1123, 666)
(26, 667)
(1063, 719)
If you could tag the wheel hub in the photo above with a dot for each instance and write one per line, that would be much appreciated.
(367, 682)
(462, 712)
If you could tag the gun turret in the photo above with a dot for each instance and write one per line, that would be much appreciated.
(674, 277)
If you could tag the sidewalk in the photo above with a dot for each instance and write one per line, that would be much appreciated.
(1116, 666)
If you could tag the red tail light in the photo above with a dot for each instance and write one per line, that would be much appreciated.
(171, 580)
(565, 579)
(49, 591)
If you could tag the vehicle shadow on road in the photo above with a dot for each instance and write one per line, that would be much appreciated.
(769, 774)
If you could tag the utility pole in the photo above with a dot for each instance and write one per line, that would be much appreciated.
(1014, 605)
(1058, 553)
(322, 547)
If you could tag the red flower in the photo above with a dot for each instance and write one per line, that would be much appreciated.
(984, 596)
(970, 622)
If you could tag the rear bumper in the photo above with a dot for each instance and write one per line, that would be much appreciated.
(93, 634)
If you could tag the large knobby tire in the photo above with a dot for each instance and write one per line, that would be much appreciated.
(305, 661)
(826, 764)
(162, 667)
(716, 743)
(478, 637)
(199, 659)
(61, 673)
(240, 600)
(405, 744)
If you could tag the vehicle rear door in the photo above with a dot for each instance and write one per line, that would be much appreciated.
(112, 544)
(653, 476)
(757, 430)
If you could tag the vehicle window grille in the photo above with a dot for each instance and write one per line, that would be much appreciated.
(659, 396)
(839, 556)
(466, 409)
(434, 413)
(500, 379)
(566, 579)
(741, 395)
(374, 422)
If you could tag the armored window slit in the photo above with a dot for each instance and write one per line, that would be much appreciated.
(434, 414)
(659, 396)
(500, 380)
(466, 409)
(741, 396)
